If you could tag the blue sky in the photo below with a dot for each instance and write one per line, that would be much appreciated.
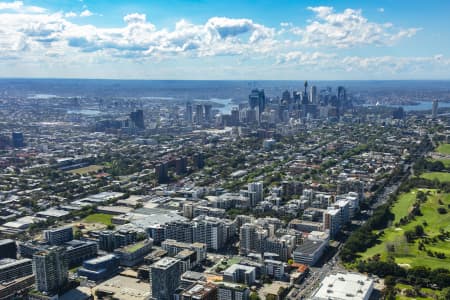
(174, 39)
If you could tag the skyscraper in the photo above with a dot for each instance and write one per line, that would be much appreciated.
(434, 109)
(50, 268)
(199, 114)
(208, 112)
(17, 140)
(165, 278)
(137, 118)
(188, 112)
(257, 99)
(313, 95)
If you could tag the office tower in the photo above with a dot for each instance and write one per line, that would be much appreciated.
(17, 140)
(165, 278)
(258, 190)
(181, 165)
(199, 114)
(286, 97)
(234, 116)
(314, 99)
(305, 93)
(137, 119)
(257, 101)
(8, 249)
(188, 112)
(58, 236)
(162, 172)
(434, 109)
(342, 97)
(208, 112)
(50, 269)
(398, 113)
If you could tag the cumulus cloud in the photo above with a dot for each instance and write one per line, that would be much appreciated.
(34, 34)
(135, 18)
(18, 6)
(369, 65)
(348, 29)
(305, 58)
(86, 13)
(380, 9)
(70, 14)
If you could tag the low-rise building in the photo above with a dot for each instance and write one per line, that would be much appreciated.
(240, 274)
(99, 268)
(344, 286)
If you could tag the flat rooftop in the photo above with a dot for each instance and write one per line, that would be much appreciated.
(125, 288)
(344, 286)
(309, 247)
(165, 262)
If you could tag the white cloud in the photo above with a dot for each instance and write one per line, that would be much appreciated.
(70, 14)
(348, 29)
(377, 65)
(380, 9)
(28, 35)
(18, 6)
(86, 13)
(305, 58)
(135, 18)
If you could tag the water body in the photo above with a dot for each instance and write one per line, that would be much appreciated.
(421, 106)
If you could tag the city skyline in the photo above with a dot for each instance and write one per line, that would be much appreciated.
(325, 40)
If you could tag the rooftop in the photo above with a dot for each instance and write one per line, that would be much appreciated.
(340, 286)
(309, 246)
(125, 288)
(165, 263)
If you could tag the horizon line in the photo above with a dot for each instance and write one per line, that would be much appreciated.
(242, 80)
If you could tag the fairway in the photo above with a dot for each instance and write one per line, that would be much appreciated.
(443, 148)
(99, 218)
(408, 253)
(441, 176)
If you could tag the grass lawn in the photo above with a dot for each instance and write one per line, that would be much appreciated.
(441, 176)
(99, 218)
(85, 170)
(408, 253)
(134, 247)
(230, 262)
(443, 148)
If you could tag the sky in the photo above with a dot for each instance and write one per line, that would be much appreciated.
(225, 39)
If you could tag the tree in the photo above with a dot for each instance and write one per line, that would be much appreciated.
(409, 235)
(419, 230)
(254, 296)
